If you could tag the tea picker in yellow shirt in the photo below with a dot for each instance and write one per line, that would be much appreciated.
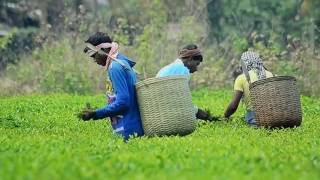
(257, 71)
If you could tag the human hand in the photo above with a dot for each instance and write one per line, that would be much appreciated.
(87, 113)
(204, 115)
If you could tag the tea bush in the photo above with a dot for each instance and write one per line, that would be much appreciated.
(41, 138)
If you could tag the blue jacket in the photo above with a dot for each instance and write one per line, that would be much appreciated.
(123, 80)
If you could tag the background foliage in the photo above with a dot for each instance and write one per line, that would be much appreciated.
(42, 41)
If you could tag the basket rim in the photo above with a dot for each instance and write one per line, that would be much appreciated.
(271, 79)
(158, 79)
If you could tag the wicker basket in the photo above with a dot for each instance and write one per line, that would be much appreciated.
(166, 106)
(276, 102)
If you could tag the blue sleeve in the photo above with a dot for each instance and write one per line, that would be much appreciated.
(121, 104)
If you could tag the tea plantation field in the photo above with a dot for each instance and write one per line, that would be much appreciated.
(41, 138)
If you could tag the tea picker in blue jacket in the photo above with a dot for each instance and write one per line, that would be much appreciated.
(122, 107)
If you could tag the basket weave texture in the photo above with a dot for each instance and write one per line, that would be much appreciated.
(276, 102)
(166, 106)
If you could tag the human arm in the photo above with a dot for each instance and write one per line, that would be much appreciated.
(233, 105)
(118, 76)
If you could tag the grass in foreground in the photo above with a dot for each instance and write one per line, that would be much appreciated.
(41, 138)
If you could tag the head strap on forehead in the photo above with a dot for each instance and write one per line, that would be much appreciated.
(104, 45)
(112, 54)
(94, 49)
(91, 49)
(185, 53)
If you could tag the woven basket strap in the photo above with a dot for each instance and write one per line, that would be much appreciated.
(245, 71)
(266, 69)
(126, 66)
(121, 63)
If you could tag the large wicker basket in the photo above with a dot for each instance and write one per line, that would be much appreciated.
(276, 102)
(166, 106)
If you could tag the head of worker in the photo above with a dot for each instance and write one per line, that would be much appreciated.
(99, 47)
(252, 61)
(191, 57)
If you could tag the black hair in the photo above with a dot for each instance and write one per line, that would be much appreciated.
(193, 46)
(190, 46)
(98, 38)
(198, 58)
